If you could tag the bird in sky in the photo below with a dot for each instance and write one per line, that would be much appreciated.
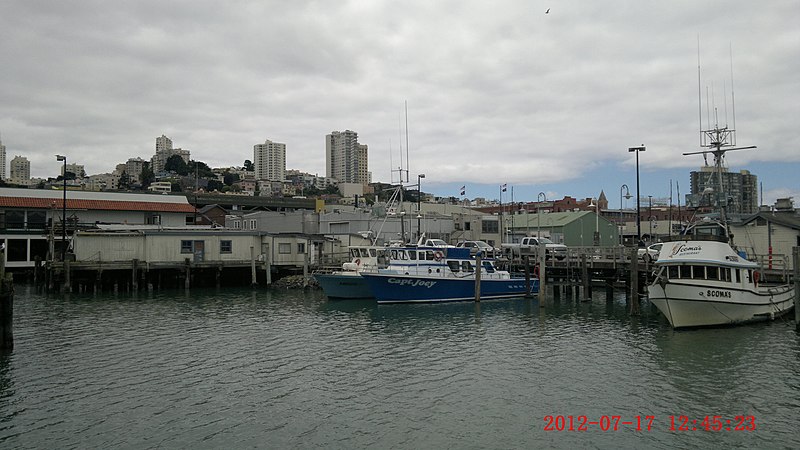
(548, 11)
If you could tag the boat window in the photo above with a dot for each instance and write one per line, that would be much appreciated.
(698, 272)
(488, 266)
(749, 276)
(738, 276)
(466, 266)
(354, 253)
(412, 255)
(673, 272)
(403, 255)
(394, 254)
(429, 255)
(686, 272)
(725, 274)
(453, 266)
(372, 252)
(712, 273)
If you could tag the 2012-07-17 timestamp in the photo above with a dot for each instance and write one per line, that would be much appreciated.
(677, 423)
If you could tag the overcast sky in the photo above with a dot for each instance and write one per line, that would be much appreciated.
(497, 92)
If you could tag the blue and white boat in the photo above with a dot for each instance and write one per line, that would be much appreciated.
(433, 274)
(347, 283)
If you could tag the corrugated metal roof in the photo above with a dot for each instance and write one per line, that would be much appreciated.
(87, 204)
(92, 195)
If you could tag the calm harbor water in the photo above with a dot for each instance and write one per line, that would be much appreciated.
(239, 368)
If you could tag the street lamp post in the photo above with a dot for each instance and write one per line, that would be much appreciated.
(621, 219)
(638, 206)
(596, 238)
(63, 210)
(539, 212)
(419, 205)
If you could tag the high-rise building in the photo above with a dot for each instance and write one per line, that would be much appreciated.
(740, 190)
(20, 169)
(134, 168)
(346, 159)
(269, 160)
(164, 151)
(2, 160)
(76, 169)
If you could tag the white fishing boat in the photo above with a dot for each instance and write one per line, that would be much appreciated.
(701, 278)
(702, 281)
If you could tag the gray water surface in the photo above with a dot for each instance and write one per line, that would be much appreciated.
(242, 368)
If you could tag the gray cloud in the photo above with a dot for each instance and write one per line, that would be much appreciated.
(492, 88)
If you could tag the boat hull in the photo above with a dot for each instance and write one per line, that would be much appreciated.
(393, 288)
(687, 306)
(347, 286)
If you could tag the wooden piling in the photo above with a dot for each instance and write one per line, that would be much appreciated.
(67, 277)
(187, 274)
(796, 266)
(609, 289)
(527, 276)
(37, 270)
(6, 306)
(542, 257)
(134, 277)
(587, 289)
(478, 278)
(634, 294)
(253, 266)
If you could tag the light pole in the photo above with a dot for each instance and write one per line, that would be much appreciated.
(419, 205)
(596, 238)
(638, 206)
(650, 214)
(621, 219)
(539, 212)
(63, 210)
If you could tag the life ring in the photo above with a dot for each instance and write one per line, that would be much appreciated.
(357, 261)
(437, 255)
(756, 276)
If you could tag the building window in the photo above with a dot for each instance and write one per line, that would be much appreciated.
(154, 219)
(301, 247)
(252, 224)
(37, 219)
(189, 220)
(226, 246)
(490, 226)
(17, 250)
(186, 246)
(285, 249)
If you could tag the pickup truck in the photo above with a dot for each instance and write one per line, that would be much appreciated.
(530, 246)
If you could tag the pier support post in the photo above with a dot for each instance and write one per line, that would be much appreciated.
(134, 273)
(478, 277)
(609, 289)
(542, 257)
(796, 267)
(587, 289)
(218, 276)
(634, 295)
(6, 306)
(187, 274)
(305, 270)
(67, 277)
(37, 270)
(527, 276)
(253, 266)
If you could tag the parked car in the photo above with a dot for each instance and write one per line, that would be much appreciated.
(650, 253)
(530, 246)
(478, 246)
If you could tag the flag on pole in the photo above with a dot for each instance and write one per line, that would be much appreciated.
(463, 190)
(504, 186)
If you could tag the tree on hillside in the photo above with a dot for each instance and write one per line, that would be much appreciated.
(124, 181)
(176, 164)
(248, 165)
(147, 175)
(201, 168)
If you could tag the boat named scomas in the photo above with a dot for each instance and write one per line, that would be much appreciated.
(443, 275)
(702, 281)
